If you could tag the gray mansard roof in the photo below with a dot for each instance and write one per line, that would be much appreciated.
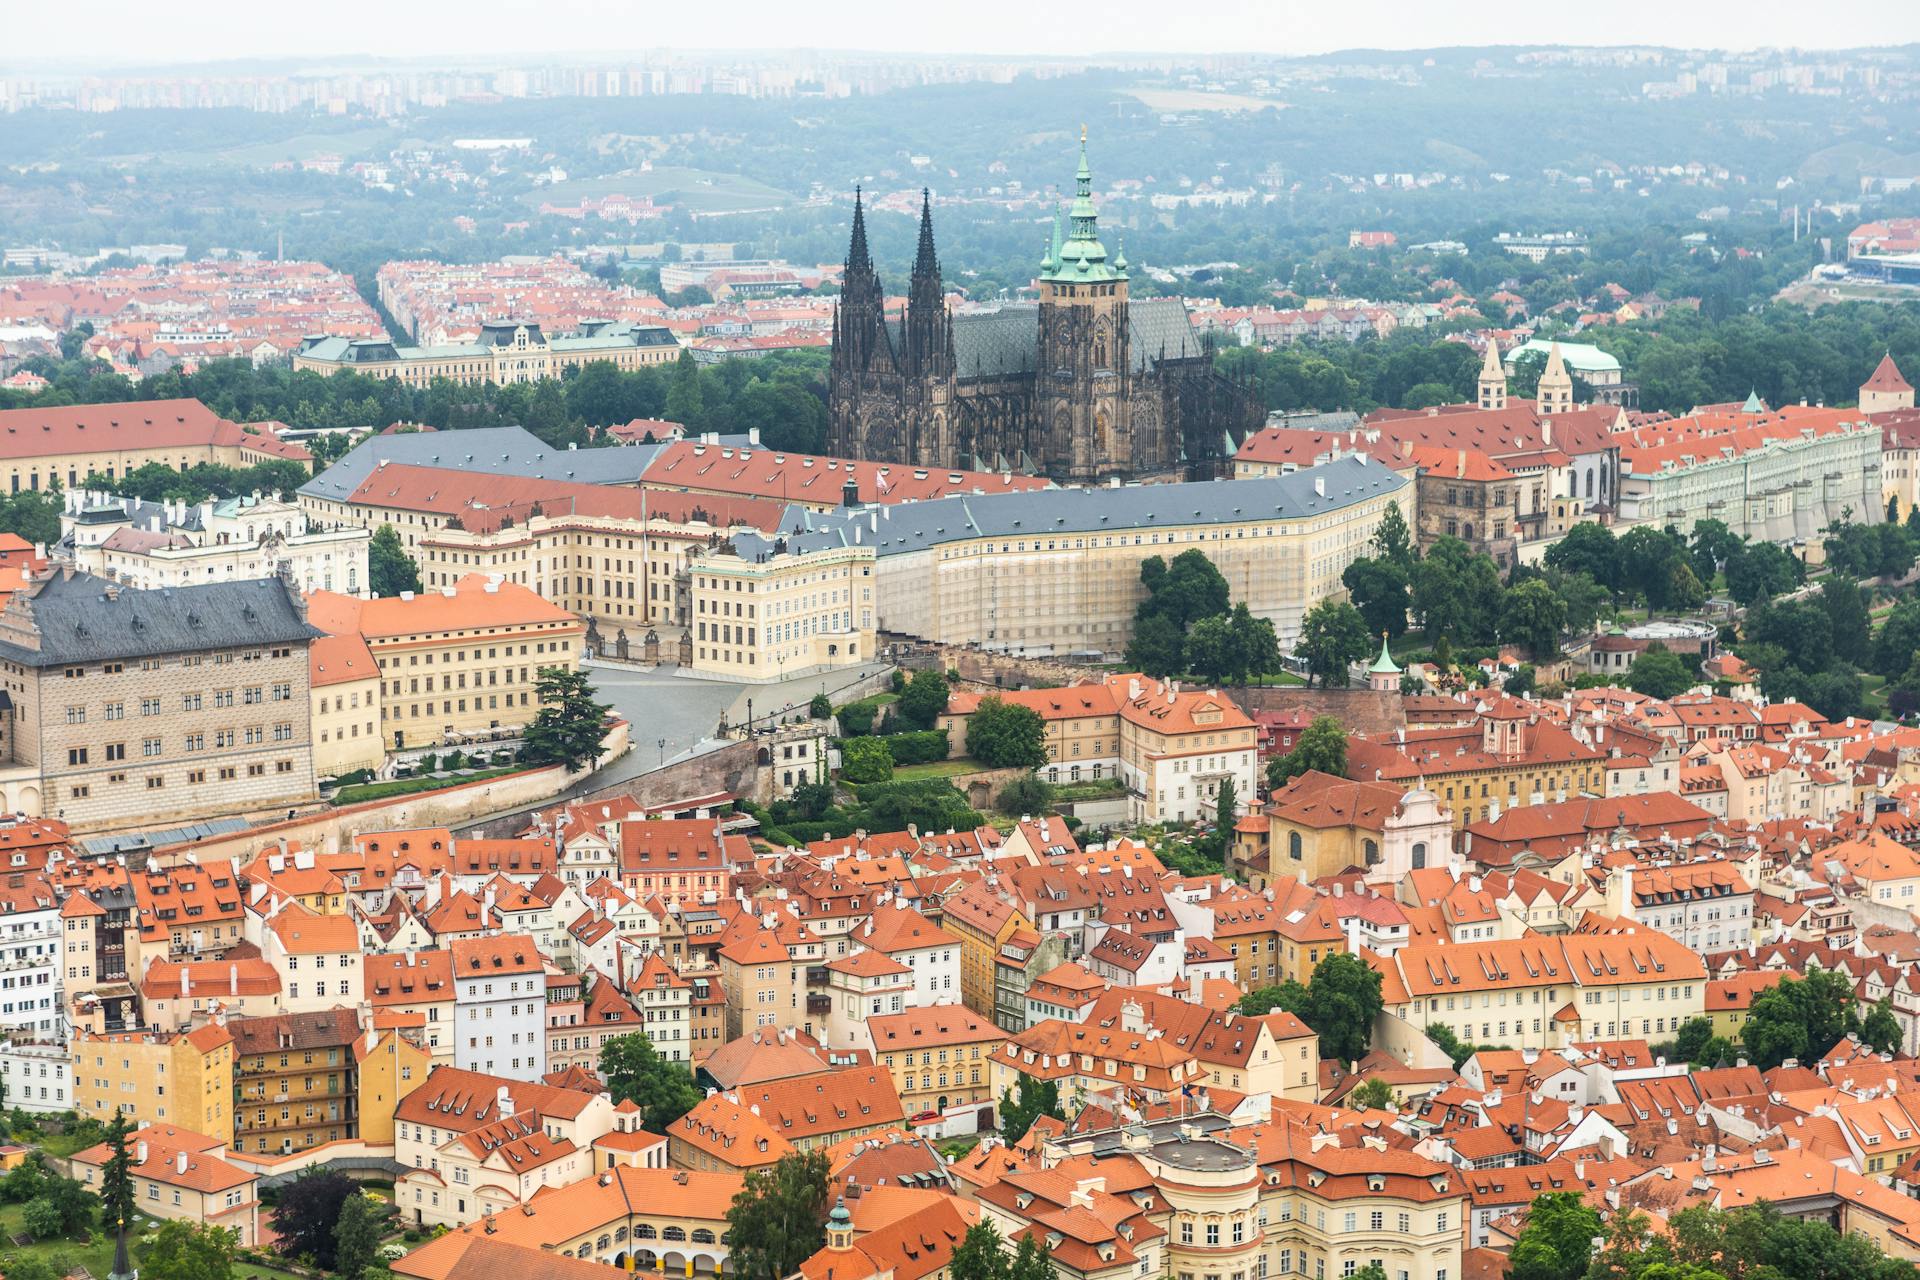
(507, 451)
(914, 526)
(78, 622)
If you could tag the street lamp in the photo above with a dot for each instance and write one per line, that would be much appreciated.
(663, 753)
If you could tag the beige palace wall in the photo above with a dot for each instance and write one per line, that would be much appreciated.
(1057, 595)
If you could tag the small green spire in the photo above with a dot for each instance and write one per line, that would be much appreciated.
(1384, 665)
(1753, 404)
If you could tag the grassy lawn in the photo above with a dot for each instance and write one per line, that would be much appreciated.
(62, 1255)
(1091, 789)
(62, 1144)
(365, 791)
(935, 769)
(1875, 690)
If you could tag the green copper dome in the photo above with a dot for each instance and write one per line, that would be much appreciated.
(1082, 259)
(1384, 665)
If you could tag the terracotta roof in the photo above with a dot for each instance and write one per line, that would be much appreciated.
(476, 602)
(175, 1158)
(461, 1101)
(505, 953)
(120, 427)
(340, 659)
(934, 1027)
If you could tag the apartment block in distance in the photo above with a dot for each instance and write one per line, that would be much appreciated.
(506, 351)
(134, 706)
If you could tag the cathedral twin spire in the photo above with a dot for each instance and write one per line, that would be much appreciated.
(860, 318)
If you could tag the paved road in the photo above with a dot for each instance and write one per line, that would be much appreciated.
(686, 712)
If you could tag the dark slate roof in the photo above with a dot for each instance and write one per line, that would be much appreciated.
(507, 451)
(78, 623)
(914, 526)
(1159, 328)
(996, 344)
(1006, 343)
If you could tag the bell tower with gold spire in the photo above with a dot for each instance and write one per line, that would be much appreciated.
(1084, 371)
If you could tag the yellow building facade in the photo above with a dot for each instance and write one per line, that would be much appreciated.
(184, 1078)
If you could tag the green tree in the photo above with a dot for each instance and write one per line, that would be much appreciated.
(1684, 589)
(1332, 638)
(1713, 544)
(1378, 589)
(1393, 541)
(1587, 548)
(1659, 673)
(686, 401)
(1880, 1029)
(1032, 1260)
(1290, 996)
(1800, 1018)
(865, 760)
(1645, 557)
(356, 1237)
(1005, 735)
(63, 1208)
(1457, 592)
(1448, 1043)
(1188, 589)
(309, 1212)
(1023, 1103)
(1157, 647)
(635, 1072)
(820, 707)
(1372, 1094)
(182, 1250)
(1557, 1242)
(1321, 746)
(980, 1255)
(1343, 999)
(1026, 797)
(24, 1181)
(1583, 599)
(1757, 572)
(925, 698)
(777, 1219)
(1521, 682)
(116, 1176)
(1256, 649)
(1693, 1037)
(389, 570)
(570, 726)
(33, 516)
(1846, 608)
(1211, 651)
(1533, 616)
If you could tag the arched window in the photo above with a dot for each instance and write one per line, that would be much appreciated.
(643, 1232)
(1372, 849)
(1419, 855)
(702, 1236)
(673, 1233)
(1293, 845)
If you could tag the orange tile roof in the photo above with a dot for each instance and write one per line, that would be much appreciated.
(339, 659)
(476, 602)
(492, 956)
(174, 1158)
(936, 1026)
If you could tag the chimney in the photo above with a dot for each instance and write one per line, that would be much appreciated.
(140, 1152)
(180, 1161)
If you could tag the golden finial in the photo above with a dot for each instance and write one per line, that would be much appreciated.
(1083, 135)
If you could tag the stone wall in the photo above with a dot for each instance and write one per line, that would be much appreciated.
(733, 769)
(993, 670)
(1358, 710)
(330, 829)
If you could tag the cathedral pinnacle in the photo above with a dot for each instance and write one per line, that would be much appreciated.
(858, 258)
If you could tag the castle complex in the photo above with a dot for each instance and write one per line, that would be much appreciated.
(1085, 385)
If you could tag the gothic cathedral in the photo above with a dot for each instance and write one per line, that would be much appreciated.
(1086, 385)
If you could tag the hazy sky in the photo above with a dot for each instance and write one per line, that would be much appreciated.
(139, 31)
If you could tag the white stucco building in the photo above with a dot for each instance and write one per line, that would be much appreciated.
(499, 1006)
